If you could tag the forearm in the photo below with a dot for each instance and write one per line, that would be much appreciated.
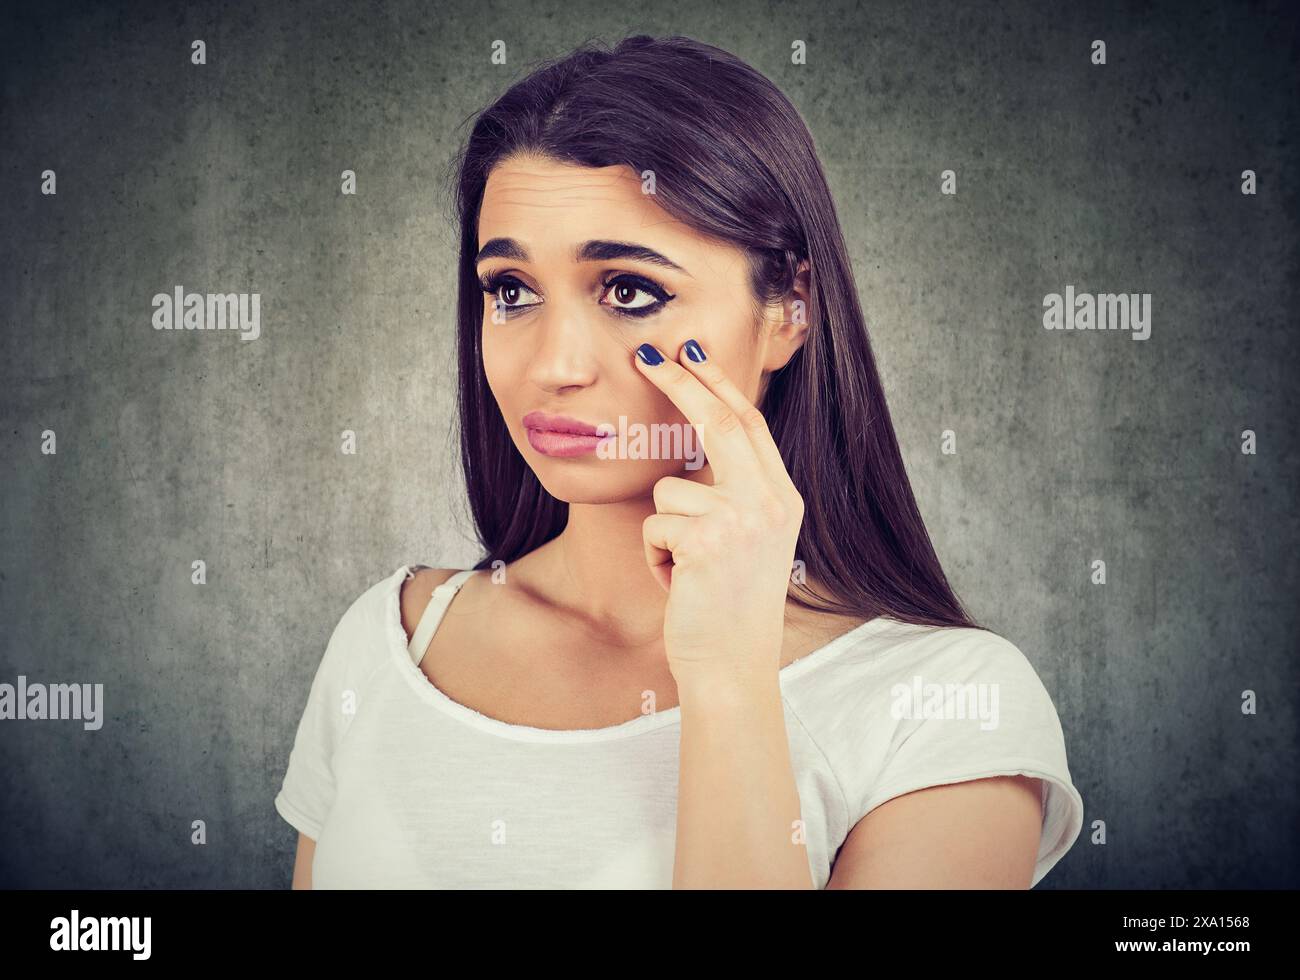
(738, 817)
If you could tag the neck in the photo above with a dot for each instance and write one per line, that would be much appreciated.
(596, 571)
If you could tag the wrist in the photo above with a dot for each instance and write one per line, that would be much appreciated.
(722, 684)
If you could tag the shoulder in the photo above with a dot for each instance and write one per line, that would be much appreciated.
(907, 707)
(416, 591)
(903, 696)
(372, 623)
(888, 653)
(957, 655)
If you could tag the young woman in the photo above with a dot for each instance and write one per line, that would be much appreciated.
(724, 657)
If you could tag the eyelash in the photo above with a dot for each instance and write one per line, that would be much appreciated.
(491, 285)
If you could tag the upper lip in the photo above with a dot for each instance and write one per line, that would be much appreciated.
(558, 423)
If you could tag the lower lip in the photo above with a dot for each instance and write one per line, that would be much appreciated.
(563, 443)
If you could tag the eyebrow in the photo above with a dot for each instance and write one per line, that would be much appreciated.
(596, 250)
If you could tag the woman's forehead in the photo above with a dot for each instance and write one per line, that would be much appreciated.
(531, 196)
(547, 206)
(529, 176)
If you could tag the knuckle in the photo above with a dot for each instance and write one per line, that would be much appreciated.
(797, 505)
(724, 420)
(774, 511)
(754, 524)
(753, 419)
(727, 517)
(713, 538)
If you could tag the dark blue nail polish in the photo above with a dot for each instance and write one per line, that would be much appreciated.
(695, 352)
(648, 354)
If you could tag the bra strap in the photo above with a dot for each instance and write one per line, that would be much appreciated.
(433, 614)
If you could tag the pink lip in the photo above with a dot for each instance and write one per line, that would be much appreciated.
(558, 423)
(559, 435)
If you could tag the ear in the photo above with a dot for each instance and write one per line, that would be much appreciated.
(790, 326)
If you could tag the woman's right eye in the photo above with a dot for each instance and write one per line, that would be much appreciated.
(507, 291)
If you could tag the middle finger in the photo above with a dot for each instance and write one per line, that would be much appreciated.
(730, 454)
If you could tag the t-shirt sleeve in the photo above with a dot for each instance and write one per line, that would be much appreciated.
(307, 792)
(966, 706)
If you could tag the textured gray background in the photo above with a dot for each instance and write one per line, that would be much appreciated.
(225, 177)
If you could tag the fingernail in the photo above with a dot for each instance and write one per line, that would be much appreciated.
(648, 354)
(695, 352)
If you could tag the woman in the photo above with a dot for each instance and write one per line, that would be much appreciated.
(722, 656)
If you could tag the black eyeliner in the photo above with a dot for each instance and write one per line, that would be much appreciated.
(491, 285)
(647, 285)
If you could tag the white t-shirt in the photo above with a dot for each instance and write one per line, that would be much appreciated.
(402, 787)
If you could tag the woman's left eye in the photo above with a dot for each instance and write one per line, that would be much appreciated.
(624, 289)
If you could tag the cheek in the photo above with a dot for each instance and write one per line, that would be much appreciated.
(500, 370)
(502, 360)
(743, 368)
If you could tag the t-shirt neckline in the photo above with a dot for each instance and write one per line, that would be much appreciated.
(436, 697)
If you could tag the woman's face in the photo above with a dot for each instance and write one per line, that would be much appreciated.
(568, 308)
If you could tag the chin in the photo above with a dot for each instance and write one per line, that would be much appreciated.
(597, 481)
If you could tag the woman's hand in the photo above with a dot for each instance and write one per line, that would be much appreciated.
(723, 552)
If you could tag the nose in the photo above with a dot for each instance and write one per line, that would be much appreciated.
(565, 353)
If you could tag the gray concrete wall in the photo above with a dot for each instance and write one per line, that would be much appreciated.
(179, 446)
